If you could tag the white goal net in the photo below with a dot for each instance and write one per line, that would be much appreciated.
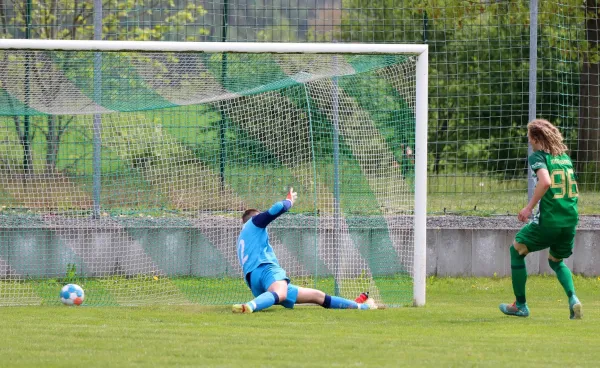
(125, 167)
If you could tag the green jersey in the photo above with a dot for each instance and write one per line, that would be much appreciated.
(558, 206)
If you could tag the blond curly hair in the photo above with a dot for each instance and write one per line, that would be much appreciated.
(547, 135)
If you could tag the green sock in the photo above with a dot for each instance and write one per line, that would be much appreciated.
(563, 273)
(519, 275)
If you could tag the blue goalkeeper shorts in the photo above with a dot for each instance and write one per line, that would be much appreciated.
(265, 275)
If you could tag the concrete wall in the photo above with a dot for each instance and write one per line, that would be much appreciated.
(42, 252)
(484, 252)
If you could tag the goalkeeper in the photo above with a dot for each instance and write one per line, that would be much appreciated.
(263, 274)
(553, 224)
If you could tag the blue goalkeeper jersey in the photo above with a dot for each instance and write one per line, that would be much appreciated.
(253, 246)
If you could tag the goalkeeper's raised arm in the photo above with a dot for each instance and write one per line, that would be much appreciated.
(262, 219)
(253, 245)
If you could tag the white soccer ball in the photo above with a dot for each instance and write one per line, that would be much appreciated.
(72, 294)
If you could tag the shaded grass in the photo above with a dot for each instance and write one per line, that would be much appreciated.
(459, 326)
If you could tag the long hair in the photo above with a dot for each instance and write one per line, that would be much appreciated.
(547, 135)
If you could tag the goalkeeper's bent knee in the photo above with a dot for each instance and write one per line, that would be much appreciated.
(276, 297)
(326, 302)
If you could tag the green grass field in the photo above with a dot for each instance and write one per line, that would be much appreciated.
(460, 326)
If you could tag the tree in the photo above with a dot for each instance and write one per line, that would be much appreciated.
(588, 151)
(73, 19)
(479, 69)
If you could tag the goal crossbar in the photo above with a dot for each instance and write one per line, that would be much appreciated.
(212, 47)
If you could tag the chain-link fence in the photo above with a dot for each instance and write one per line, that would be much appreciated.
(479, 71)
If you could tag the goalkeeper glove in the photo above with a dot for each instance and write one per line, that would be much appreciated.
(291, 196)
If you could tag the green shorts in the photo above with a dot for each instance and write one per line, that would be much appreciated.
(560, 240)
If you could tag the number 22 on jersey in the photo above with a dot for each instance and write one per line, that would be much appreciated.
(242, 257)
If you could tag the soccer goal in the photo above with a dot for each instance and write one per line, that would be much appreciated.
(125, 167)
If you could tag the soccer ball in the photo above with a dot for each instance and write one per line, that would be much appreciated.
(72, 294)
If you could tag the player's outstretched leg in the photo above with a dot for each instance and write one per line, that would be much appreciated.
(335, 302)
(519, 279)
(263, 301)
(575, 308)
(564, 275)
(515, 309)
(242, 308)
(370, 304)
(314, 296)
(363, 298)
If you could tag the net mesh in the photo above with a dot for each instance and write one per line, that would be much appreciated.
(479, 71)
(188, 141)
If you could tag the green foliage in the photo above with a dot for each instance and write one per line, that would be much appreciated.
(479, 73)
(479, 53)
(280, 32)
(72, 19)
(588, 178)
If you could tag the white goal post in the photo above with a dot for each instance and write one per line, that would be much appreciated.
(420, 108)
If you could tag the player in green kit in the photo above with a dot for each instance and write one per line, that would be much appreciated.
(553, 223)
